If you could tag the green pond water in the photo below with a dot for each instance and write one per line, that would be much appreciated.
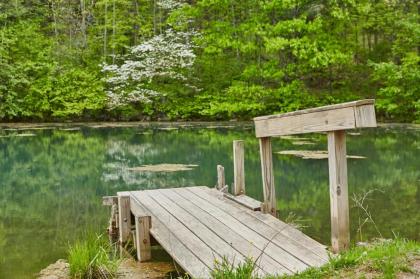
(52, 181)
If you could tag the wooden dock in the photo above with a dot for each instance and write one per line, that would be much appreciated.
(198, 226)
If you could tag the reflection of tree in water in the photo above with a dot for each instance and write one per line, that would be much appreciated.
(51, 184)
(391, 166)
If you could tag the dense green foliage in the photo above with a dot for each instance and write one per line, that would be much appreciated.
(381, 259)
(251, 57)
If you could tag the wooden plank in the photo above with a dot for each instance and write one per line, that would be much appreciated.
(183, 233)
(293, 236)
(339, 203)
(318, 109)
(278, 225)
(172, 244)
(109, 200)
(329, 118)
(236, 241)
(270, 202)
(218, 246)
(245, 201)
(280, 255)
(124, 218)
(143, 246)
(365, 116)
(238, 167)
(221, 182)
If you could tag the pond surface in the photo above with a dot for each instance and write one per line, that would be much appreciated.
(52, 180)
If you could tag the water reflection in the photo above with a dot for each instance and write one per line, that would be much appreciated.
(51, 183)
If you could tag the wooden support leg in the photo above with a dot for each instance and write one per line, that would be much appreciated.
(220, 177)
(239, 167)
(339, 201)
(143, 225)
(124, 218)
(270, 202)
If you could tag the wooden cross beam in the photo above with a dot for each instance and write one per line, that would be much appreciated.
(334, 120)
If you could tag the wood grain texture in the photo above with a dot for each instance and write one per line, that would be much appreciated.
(238, 167)
(301, 246)
(339, 203)
(344, 116)
(171, 243)
(109, 200)
(198, 225)
(240, 243)
(245, 201)
(318, 109)
(124, 218)
(320, 121)
(142, 239)
(269, 190)
(225, 214)
(294, 235)
(365, 116)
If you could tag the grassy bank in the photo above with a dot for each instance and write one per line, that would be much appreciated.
(380, 259)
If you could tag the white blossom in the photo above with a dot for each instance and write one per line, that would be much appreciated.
(167, 55)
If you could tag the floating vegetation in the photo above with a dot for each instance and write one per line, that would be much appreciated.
(294, 138)
(302, 142)
(163, 168)
(168, 128)
(70, 129)
(17, 135)
(313, 154)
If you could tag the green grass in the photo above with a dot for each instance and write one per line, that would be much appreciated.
(380, 259)
(225, 269)
(93, 257)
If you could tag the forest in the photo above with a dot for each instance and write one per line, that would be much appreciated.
(63, 60)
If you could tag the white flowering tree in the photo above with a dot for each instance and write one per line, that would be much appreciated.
(165, 58)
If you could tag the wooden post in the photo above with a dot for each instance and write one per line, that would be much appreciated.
(339, 201)
(220, 177)
(143, 225)
(124, 218)
(270, 202)
(238, 167)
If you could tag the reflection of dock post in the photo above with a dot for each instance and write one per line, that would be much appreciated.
(238, 167)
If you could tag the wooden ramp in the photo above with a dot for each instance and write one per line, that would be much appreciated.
(198, 226)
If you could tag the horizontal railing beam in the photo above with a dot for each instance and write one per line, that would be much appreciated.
(351, 115)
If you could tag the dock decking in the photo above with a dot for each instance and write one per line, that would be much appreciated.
(198, 226)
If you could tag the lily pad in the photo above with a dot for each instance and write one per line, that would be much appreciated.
(163, 168)
(313, 154)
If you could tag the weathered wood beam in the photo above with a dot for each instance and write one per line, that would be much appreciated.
(270, 202)
(143, 246)
(339, 200)
(109, 200)
(221, 182)
(124, 218)
(238, 167)
(343, 116)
